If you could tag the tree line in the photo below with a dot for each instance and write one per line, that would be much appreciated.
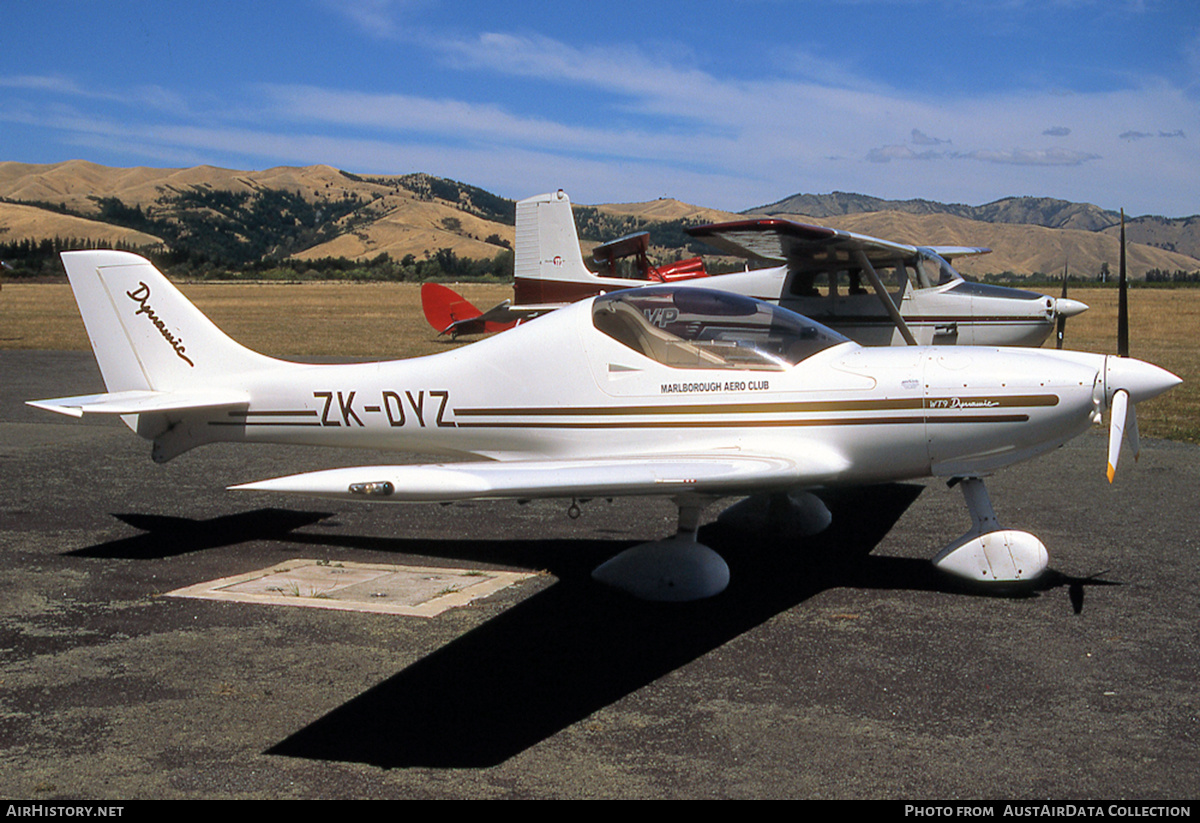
(39, 259)
(1177, 276)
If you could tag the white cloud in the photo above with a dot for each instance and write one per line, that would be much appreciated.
(919, 138)
(651, 127)
(376, 18)
(1033, 157)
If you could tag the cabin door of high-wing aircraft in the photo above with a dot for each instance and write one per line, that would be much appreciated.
(845, 300)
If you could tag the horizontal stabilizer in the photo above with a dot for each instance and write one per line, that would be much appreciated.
(451, 313)
(142, 402)
(666, 474)
(500, 317)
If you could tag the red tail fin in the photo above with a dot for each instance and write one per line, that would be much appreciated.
(444, 306)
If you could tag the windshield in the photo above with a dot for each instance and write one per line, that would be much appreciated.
(690, 328)
(934, 270)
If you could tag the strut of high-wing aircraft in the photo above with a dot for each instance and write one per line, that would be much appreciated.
(664, 383)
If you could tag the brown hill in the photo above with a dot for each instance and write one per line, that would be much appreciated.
(418, 214)
(399, 214)
(1031, 211)
(666, 209)
(19, 222)
(408, 226)
(74, 183)
(1181, 234)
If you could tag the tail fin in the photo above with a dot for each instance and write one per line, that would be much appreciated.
(547, 248)
(444, 307)
(146, 335)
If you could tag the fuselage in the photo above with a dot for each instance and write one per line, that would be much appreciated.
(957, 312)
(558, 387)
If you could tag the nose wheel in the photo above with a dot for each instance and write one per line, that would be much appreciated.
(988, 553)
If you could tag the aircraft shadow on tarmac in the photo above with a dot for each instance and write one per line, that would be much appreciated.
(575, 647)
(167, 536)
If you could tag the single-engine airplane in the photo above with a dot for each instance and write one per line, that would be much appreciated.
(688, 393)
(929, 301)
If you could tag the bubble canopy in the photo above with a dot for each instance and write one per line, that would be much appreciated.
(693, 328)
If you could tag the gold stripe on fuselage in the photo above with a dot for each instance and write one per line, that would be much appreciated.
(799, 407)
(700, 424)
(948, 409)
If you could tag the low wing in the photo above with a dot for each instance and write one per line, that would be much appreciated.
(142, 402)
(798, 244)
(724, 474)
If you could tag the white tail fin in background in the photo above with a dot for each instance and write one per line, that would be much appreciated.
(146, 335)
(547, 243)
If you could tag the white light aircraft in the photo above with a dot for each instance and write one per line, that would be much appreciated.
(835, 277)
(677, 391)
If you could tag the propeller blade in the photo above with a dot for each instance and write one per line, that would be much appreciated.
(1061, 325)
(1131, 432)
(1122, 300)
(1116, 430)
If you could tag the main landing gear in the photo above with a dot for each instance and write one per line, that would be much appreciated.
(676, 569)
(680, 568)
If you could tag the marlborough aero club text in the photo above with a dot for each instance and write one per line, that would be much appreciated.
(716, 385)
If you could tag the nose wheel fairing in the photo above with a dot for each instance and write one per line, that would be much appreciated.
(986, 553)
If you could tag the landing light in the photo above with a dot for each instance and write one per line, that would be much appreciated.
(381, 488)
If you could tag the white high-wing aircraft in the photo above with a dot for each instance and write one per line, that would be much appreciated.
(928, 302)
(684, 392)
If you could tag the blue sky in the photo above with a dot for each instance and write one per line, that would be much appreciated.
(728, 105)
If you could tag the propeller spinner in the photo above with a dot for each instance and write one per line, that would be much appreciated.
(1065, 307)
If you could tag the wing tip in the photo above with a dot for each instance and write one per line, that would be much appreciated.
(70, 411)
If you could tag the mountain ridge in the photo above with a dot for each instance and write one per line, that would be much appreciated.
(312, 212)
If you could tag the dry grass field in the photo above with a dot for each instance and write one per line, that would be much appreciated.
(352, 320)
(1163, 329)
(385, 321)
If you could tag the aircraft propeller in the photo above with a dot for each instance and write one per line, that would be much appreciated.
(1127, 381)
(1065, 307)
(1061, 325)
